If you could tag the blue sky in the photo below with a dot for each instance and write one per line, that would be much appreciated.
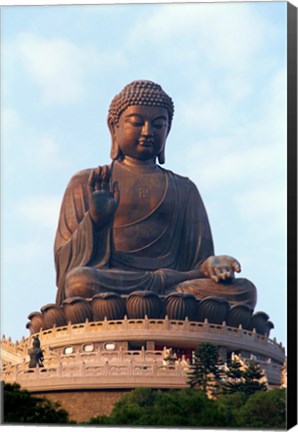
(224, 65)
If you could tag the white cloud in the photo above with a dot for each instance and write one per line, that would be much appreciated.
(34, 151)
(23, 254)
(56, 65)
(264, 204)
(206, 110)
(250, 151)
(46, 153)
(10, 119)
(251, 165)
(221, 33)
(59, 67)
(41, 211)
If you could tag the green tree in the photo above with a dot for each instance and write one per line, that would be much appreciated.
(243, 378)
(192, 408)
(134, 407)
(205, 373)
(148, 407)
(19, 406)
(229, 406)
(264, 410)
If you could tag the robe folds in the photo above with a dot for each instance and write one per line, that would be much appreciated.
(182, 245)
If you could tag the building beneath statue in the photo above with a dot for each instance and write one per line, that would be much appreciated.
(88, 366)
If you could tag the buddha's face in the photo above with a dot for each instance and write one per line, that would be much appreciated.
(142, 131)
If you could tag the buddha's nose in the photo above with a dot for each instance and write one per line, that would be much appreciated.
(147, 129)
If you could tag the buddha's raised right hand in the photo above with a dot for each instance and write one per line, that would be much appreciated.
(102, 202)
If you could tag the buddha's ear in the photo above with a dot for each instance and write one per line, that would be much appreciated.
(115, 149)
(111, 125)
(161, 157)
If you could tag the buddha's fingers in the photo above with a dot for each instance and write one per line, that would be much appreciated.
(104, 186)
(105, 174)
(224, 274)
(236, 266)
(91, 180)
(98, 175)
(220, 273)
(104, 178)
(214, 274)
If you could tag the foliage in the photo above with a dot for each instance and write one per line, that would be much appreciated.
(148, 407)
(205, 373)
(101, 420)
(229, 406)
(192, 408)
(21, 407)
(264, 410)
(244, 378)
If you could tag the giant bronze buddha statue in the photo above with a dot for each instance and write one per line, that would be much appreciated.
(135, 226)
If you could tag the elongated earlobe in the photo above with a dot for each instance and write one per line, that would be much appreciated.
(115, 149)
(161, 157)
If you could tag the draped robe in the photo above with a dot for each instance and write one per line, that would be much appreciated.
(181, 242)
(183, 245)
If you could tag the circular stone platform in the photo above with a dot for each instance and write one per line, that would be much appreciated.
(130, 353)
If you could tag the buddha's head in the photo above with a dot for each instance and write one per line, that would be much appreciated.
(139, 119)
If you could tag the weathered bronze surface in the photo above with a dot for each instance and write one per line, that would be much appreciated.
(135, 226)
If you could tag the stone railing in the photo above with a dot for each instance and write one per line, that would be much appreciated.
(163, 331)
(17, 347)
(102, 369)
(126, 369)
(155, 324)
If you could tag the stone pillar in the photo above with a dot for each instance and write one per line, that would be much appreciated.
(150, 345)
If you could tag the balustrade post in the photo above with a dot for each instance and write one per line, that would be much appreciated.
(125, 322)
(107, 368)
(186, 324)
(60, 368)
(224, 328)
(166, 323)
(120, 354)
(83, 369)
(37, 372)
(69, 327)
(131, 368)
(146, 322)
(54, 330)
(143, 353)
(154, 368)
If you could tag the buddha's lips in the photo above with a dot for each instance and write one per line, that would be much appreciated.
(146, 143)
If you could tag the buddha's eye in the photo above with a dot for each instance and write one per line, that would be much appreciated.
(160, 123)
(135, 120)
